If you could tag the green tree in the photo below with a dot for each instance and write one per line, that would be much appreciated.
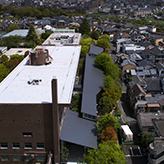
(32, 36)
(160, 13)
(107, 120)
(11, 41)
(112, 69)
(108, 82)
(4, 58)
(101, 59)
(159, 29)
(85, 43)
(76, 102)
(85, 27)
(107, 153)
(64, 153)
(95, 35)
(16, 56)
(4, 72)
(105, 36)
(104, 44)
(46, 35)
(12, 27)
(113, 93)
(106, 104)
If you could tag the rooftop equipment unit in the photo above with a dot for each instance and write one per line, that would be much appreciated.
(39, 56)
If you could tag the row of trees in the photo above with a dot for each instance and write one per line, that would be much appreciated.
(107, 126)
(39, 12)
(7, 65)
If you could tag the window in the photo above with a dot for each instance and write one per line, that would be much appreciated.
(16, 158)
(28, 158)
(27, 134)
(28, 145)
(41, 158)
(5, 157)
(40, 145)
(3, 145)
(16, 145)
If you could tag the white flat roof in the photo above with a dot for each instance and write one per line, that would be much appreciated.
(15, 89)
(126, 129)
(19, 51)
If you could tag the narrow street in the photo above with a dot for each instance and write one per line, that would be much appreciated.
(124, 107)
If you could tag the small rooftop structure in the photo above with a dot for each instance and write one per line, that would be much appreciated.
(128, 135)
(63, 39)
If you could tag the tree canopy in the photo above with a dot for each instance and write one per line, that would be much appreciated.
(95, 35)
(112, 69)
(107, 120)
(3, 58)
(76, 102)
(85, 27)
(106, 104)
(12, 27)
(104, 42)
(11, 41)
(101, 59)
(32, 39)
(46, 34)
(4, 72)
(108, 134)
(85, 43)
(32, 34)
(105, 36)
(107, 153)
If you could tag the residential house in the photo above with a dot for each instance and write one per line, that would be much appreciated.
(137, 99)
(147, 65)
(153, 85)
(145, 123)
(156, 39)
(153, 102)
(128, 65)
(160, 68)
(135, 57)
(132, 48)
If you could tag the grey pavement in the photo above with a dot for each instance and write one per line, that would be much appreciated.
(124, 107)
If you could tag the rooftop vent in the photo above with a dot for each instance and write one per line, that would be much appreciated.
(34, 82)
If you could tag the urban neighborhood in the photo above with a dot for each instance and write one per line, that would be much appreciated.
(81, 82)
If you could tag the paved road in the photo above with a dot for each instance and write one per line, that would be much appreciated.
(124, 107)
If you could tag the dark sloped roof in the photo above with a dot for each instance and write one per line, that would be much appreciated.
(153, 84)
(95, 50)
(144, 63)
(155, 51)
(158, 124)
(93, 81)
(78, 130)
(136, 90)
